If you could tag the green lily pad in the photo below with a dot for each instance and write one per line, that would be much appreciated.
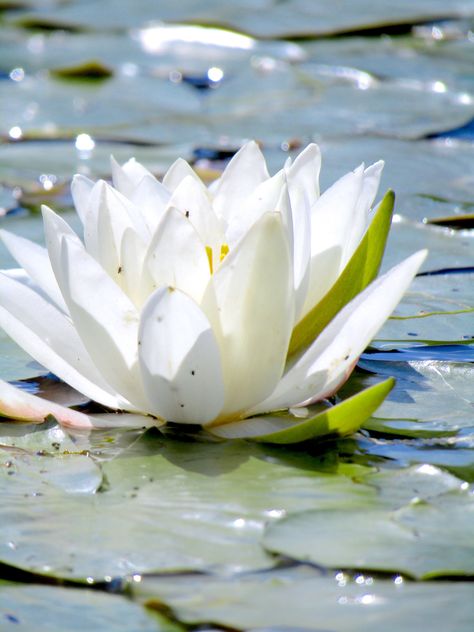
(455, 221)
(300, 599)
(93, 69)
(343, 418)
(435, 308)
(173, 505)
(50, 609)
(424, 539)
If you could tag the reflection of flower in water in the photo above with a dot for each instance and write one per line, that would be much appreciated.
(182, 301)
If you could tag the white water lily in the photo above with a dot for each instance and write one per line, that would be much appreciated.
(203, 305)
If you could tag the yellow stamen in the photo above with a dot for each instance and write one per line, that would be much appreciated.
(224, 251)
(209, 257)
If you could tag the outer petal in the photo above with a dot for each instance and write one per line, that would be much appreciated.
(177, 257)
(18, 404)
(253, 312)
(34, 259)
(180, 359)
(325, 366)
(49, 337)
(105, 319)
(246, 170)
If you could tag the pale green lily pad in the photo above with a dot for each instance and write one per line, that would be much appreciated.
(304, 106)
(295, 18)
(43, 107)
(341, 419)
(431, 398)
(424, 539)
(301, 599)
(436, 169)
(54, 609)
(173, 505)
(23, 163)
(435, 308)
(31, 475)
(412, 484)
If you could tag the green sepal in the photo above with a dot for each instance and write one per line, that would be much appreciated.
(361, 269)
(342, 419)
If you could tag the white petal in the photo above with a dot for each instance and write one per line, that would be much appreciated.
(303, 174)
(361, 213)
(179, 170)
(50, 338)
(301, 235)
(81, 189)
(132, 276)
(34, 259)
(151, 197)
(127, 176)
(192, 199)
(109, 215)
(327, 363)
(105, 319)
(177, 257)
(123, 420)
(253, 316)
(246, 170)
(265, 198)
(18, 404)
(180, 360)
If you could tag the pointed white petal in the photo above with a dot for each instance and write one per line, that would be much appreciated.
(246, 170)
(126, 177)
(81, 189)
(323, 272)
(131, 273)
(151, 198)
(50, 338)
(303, 173)
(250, 302)
(327, 363)
(361, 214)
(180, 360)
(177, 257)
(123, 420)
(179, 170)
(34, 259)
(265, 198)
(109, 215)
(192, 199)
(18, 404)
(105, 319)
(301, 235)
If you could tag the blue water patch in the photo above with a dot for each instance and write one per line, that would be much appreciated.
(465, 132)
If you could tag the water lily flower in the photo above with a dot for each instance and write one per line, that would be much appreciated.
(208, 305)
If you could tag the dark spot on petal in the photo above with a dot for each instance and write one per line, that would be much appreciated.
(182, 405)
(119, 269)
(193, 372)
(187, 213)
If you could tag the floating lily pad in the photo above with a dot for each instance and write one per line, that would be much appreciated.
(424, 539)
(50, 609)
(435, 308)
(173, 505)
(302, 599)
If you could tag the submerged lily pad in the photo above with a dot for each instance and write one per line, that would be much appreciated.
(424, 539)
(301, 599)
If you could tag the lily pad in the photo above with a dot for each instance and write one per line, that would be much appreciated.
(424, 539)
(435, 308)
(300, 599)
(173, 505)
(49, 609)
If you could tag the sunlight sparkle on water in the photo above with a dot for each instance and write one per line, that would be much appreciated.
(84, 142)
